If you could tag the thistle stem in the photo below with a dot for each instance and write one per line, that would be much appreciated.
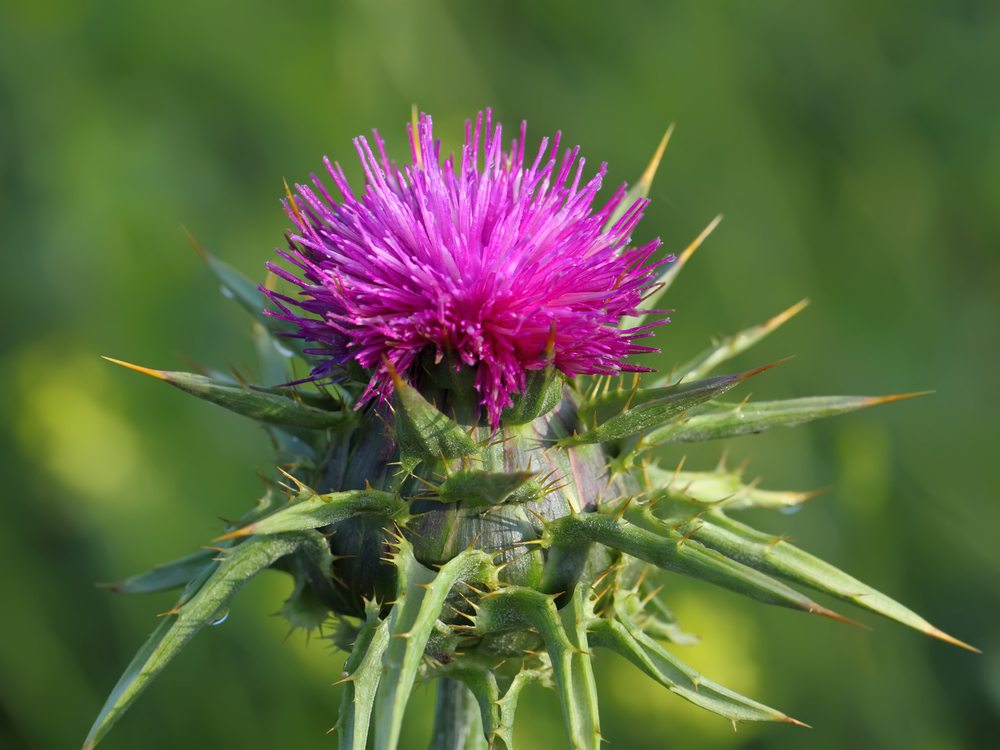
(457, 724)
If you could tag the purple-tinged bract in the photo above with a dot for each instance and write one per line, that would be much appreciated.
(498, 263)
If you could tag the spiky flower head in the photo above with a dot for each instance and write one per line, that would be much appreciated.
(497, 261)
(487, 553)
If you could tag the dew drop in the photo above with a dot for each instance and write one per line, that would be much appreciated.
(791, 510)
(227, 292)
(221, 617)
(283, 350)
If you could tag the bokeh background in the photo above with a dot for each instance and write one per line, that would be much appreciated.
(854, 150)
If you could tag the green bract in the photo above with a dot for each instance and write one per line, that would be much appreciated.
(493, 558)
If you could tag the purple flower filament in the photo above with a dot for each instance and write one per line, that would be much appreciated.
(500, 265)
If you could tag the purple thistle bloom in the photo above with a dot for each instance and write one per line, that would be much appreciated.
(503, 267)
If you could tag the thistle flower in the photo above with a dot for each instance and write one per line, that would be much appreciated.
(503, 268)
(475, 495)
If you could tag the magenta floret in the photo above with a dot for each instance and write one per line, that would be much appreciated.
(500, 265)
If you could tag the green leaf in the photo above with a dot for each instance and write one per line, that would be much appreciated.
(164, 577)
(458, 724)
(483, 488)
(362, 673)
(310, 510)
(496, 712)
(776, 556)
(201, 605)
(508, 703)
(313, 592)
(424, 433)
(728, 347)
(729, 420)
(628, 640)
(516, 607)
(239, 288)
(583, 685)
(644, 409)
(645, 537)
(244, 291)
(644, 608)
(482, 683)
(279, 406)
(275, 369)
(542, 393)
(182, 571)
(274, 359)
(721, 488)
(419, 602)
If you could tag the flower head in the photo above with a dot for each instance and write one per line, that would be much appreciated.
(498, 263)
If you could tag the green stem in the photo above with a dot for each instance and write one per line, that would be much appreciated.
(457, 724)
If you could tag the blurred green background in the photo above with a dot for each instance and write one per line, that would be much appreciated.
(854, 150)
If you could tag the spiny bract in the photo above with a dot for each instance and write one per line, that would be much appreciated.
(473, 492)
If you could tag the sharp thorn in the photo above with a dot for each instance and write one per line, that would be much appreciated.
(696, 242)
(158, 374)
(876, 400)
(763, 368)
(789, 720)
(785, 315)
(818, 609)
(941, 635)
(238, 533)
(198, 247)
(654, 164)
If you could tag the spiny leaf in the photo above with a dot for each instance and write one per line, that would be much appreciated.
(186, 569)
(776, 556)
(508, 704)
(276, 368)
(239, 288)
(457, 724)
(482, 683)
(687, 682)
(275, 406)
(313, 511)
(308, 605)
(197, 609)
(424, 433)
(401, 659)
(583, 685)
(419, 602)
(729, 420)
(273, 358)
(645, 537)
(603, 404)
(629, 641)
(163, 577)
(644, 409)
(542, 392)
(641, 188)
(721, 488)
(482, 488)
(362, 672)
(727, 348)
(497, 712)
(517, 607)
(652, 615)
